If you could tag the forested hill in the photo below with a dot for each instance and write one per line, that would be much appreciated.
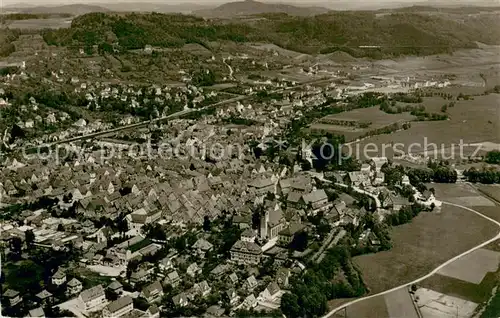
(250, 7)
(394, 33)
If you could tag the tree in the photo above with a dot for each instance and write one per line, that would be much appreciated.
(305, 165)
(180, 243)
(131, 267)
(270, 196)
(290, 306)
(299, 241)
(204, 78)
(16, 132)
(493, 157)
(121, 224)
(30, 238)
(155, 232)
(323, 229)
(16, 245)
(25, 277)
(206, 224)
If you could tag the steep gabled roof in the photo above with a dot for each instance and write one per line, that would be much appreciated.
(92, 293)
(119, 304)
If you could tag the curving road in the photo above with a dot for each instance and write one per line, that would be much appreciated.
(331, 313)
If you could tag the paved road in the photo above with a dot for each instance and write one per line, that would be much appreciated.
(331, 313)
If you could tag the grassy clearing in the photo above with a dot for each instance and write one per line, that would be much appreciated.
(424, 244)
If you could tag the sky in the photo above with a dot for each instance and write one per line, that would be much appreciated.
(302, 2)
(61, 2)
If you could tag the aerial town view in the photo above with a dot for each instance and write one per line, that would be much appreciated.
(250, 159)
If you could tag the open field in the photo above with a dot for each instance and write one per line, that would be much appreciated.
(40, 24)
(374, 308)
(477, 293)
(465, 65)
(473, 267)
(400, 304)
(492, 191)
(472, 121)
(461, 194)
(436, 305)
(274, 48)
(420, 246)
(489, 211)
(374, 116)
(393, 305)
(434, 104)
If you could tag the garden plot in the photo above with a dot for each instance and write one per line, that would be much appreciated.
(436, 305)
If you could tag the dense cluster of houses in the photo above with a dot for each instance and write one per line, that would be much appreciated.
(103, 203)
(176, 194)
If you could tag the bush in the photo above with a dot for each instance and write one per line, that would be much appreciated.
(493, 157)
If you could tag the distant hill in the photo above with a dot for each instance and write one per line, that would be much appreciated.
(445, 9)
(155, 7)
(358, 33)
(459, 3)
(73, 9)
(251, 7)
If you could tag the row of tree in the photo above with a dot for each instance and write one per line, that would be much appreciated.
(404, 215)
(485, 175)
(436, 172)
(423, 115)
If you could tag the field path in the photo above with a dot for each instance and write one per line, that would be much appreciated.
(335, 310)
